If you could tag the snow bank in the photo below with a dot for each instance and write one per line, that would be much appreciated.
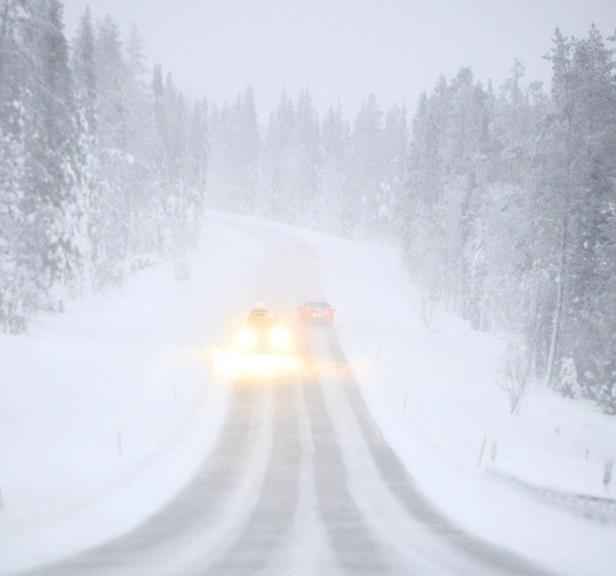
(106, 411)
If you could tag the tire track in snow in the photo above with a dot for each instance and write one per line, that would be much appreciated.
(356, 549)
(272, 519)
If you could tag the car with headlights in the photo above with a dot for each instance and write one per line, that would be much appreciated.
(264, 333)
(263, 349)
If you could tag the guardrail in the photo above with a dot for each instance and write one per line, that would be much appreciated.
(596, 508)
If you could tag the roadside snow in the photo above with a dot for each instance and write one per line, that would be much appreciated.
(106, 411)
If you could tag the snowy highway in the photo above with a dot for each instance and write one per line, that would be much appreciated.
(321, 287)
(300, 481)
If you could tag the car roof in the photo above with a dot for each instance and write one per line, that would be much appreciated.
(316, 304)
(259, 312)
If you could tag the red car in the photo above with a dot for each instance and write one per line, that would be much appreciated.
(317, 312)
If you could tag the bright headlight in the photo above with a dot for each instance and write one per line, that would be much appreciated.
(280, 339)
(246, 339)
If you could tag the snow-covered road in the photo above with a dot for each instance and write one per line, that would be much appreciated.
(300, 481)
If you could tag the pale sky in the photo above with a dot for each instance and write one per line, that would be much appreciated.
(344, 49)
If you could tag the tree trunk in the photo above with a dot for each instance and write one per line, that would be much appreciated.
(5, 17)
(558, 306)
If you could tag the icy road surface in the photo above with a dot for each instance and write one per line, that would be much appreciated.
(300, 482)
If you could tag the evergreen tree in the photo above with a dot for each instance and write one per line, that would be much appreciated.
(365, 169)
(53, 186)
(278, 158)
(331, 202)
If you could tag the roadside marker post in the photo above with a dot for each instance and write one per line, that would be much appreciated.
(494, 451)
(120, 444)
(607, 474)
(482, 451)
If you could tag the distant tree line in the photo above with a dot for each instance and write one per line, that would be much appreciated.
(504, 200)
(323, 172)
(99, 161)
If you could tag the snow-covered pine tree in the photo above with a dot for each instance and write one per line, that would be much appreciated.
(247, 146)
(330, 204)
(85, 89)
(583, 128)
(53, 190)
(278, 156)
(364, 169)
(197, 164)
(112, 210)
(305, 159)
(16, 276)
(395, 158)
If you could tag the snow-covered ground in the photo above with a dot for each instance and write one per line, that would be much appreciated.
(435, 395)
(103, 416)
(106, 410)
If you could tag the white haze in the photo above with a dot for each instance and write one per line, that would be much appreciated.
(344, 49)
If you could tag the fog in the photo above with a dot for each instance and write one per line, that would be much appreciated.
(294, 287)
(344, 49)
